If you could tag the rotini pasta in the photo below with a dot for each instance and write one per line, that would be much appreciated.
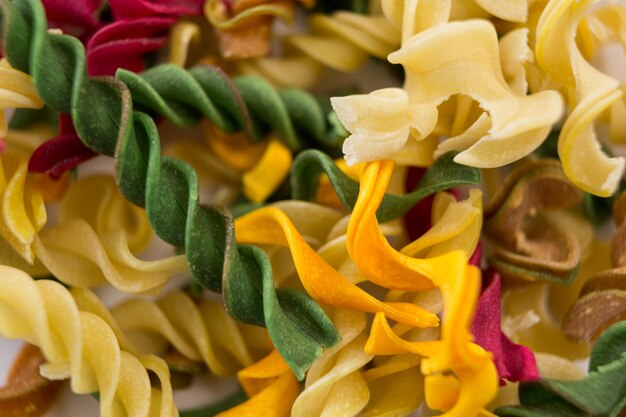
(178, 218)
(342, 41)
(103, 222)
(81, 346)
(192, 328)
(589, 93)
(17, 90)
(430, 82)
(602, 299)
(306, 213)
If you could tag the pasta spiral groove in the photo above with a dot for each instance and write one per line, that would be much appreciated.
(168, 188)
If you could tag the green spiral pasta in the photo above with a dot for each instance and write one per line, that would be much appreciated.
(102, 111)
(245, 103)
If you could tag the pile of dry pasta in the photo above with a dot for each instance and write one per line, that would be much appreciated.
(452, 243)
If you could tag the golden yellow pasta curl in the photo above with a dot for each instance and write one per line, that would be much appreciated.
(81, 346)
(182, 35)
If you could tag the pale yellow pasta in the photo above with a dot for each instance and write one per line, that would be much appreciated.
(28, 140)
(96, 200)
(77, 251)
(589, 93)
(16, 91)
(607, 24)
(201, 331)
(532, 315)
(342, 41)
(511, 10)
(414, 16)
(463, 58)
(334, 384)
(81, 346)
(76, 255)
(542, 331)
(381, 123)
(396, 387)
(457, 225)
(515, 54)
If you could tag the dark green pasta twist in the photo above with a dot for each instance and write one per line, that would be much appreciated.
(102, 111)
(244, 103)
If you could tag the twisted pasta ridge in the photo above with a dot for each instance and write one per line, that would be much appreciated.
(343, 41)
(81, 346)
(243, 28)
(123, 44)
(176, 320)
(168, 188)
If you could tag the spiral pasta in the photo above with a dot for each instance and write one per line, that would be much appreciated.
(334, 384)
(244, 27)
(16, 90)
(470, 363)
(175, 320)
(531, 246)
(589, 93)
(342, 41)
(81, 346)
(102, 221)
(23, 210)
(396, 228)
(168, 188)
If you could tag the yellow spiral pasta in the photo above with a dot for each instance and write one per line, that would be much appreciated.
(90, 245)
(201, 331)
(81, 346)
(589, 93)
(16, 91)
(342, 41)
(517, 124)
(335, 384)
